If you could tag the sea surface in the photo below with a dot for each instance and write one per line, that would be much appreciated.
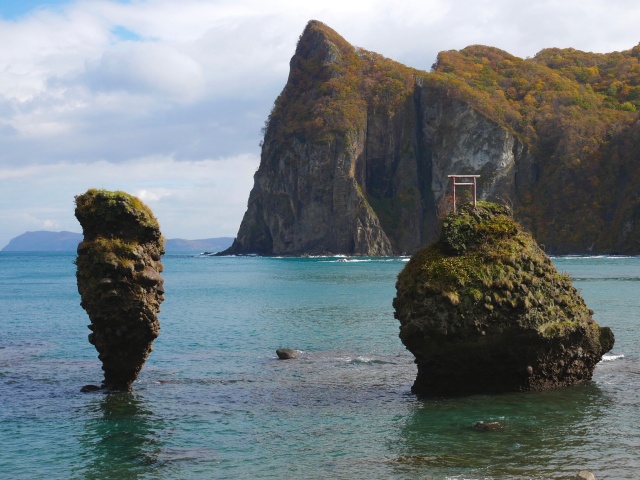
(214, 402)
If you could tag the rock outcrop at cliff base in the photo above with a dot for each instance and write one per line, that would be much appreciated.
(118, 273)
(484, 310)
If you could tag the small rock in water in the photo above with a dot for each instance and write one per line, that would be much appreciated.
(90, 388)
(585, 475)
(286, 353)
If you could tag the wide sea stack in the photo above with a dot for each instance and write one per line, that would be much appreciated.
(357, 148)
(118, 273)
(484, 310)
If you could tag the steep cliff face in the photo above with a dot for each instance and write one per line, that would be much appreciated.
(456, 139)
(363, 175)
(358, 149)
(306, 200)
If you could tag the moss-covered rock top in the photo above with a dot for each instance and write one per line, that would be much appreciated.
(115, 214)
(487, 289)
(486, 264)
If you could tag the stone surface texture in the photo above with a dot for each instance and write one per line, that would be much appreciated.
(118, 275)
(484, 310)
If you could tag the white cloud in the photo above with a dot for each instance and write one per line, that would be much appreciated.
(145, 95)
(152, 196)
(197, 199)
(50, 225)
(147, 68)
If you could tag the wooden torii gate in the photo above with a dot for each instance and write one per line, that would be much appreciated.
(466, 181)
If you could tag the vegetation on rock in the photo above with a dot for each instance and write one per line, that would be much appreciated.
(577, 113)
(484, 309)
(332, 85)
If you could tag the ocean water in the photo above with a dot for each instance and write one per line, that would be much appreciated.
(214, 402)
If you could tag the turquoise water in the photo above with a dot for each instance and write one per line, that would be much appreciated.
(214, 402)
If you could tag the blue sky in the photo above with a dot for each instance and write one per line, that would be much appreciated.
(165, 99)
(11, 9)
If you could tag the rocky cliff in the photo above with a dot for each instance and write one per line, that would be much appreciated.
(358, 147)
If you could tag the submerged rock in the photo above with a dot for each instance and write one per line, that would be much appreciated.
(484, 310)
(488, 426)
(118, 274)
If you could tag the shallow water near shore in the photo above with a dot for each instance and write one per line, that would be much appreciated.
(213, 400)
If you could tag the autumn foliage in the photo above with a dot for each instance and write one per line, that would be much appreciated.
(575, 112)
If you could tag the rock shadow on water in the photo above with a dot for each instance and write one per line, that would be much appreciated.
(122, 438)
(545, 435)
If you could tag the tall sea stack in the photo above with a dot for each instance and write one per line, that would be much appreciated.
(484, 310)
(118, 273)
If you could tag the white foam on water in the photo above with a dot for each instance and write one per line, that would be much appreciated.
(610, 357)
(593, 257)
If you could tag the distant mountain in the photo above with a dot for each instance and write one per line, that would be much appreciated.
(43, 241)
(205, 245)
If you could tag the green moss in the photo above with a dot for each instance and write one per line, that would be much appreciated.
(453, 297)
(120, 255)
(475, 294)
(112, 205)
(487, 267)
(556, 329)
(486, 223)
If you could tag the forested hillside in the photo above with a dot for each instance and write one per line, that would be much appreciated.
(363, 144)
(577, 113)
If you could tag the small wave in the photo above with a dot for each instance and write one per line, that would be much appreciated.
(594, 257)
(610, 357)
(362, 360)
(606, 279)
(368, 259)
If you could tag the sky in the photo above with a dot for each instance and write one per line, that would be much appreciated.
(165, 99)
